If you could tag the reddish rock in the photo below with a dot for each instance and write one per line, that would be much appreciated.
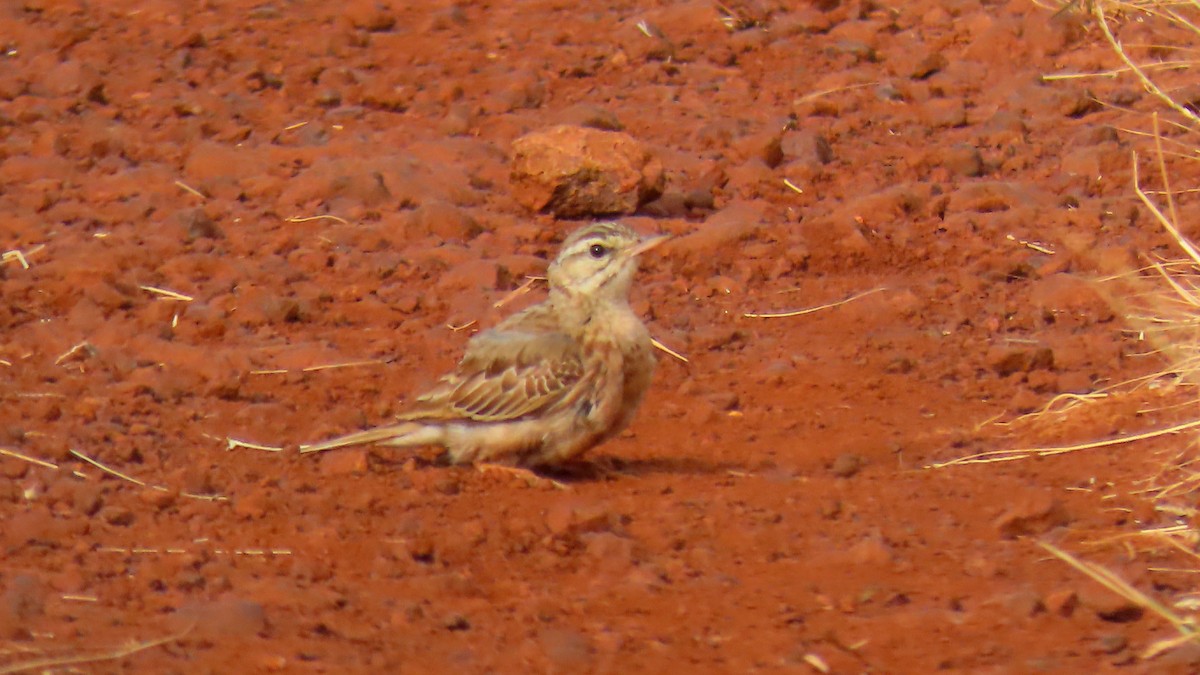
(806, 146)
(871, 551)
(1109, 606)
(765, 147)
(944, 113)
(961, 159)
(1031, 514)
(458, 120)
(575, 172)
(117, 515)
(1008, 360)
(611, 552)
(445, 221)
(1062, 602)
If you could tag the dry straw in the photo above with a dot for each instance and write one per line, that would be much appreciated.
(45, 463)
(1185, 625)
(63, 663)
(811, 310)
(1162, 303)
(1165, 315)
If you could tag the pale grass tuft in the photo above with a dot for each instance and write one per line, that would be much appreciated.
(1163, 10)
(1161, 302)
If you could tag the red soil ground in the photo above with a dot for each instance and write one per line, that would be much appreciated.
(770, 509)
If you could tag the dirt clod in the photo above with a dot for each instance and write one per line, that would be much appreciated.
(1031, 514)
(574, 172)
(846, 465)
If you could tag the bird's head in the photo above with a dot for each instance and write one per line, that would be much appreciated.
(599, 261)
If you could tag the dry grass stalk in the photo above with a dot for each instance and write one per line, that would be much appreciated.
(1162, 9)
(1185, 625)
(1162, 302)
(348, 364)
(73, 351)
(54, 663)
(667, 350)
(26, 458)
(1058, 405)
(165, 294)
(188, 188)
(1117, 72)
(517, 292)
(107, 469)
(995, 456)
(828, 92)
(817, 663)
(126, 477)
(1032, 245)
(14, 254)
(178, 550)
(812, 310)
(234, 444)
(300, 219)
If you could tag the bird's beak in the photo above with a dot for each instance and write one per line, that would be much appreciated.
(647, 244)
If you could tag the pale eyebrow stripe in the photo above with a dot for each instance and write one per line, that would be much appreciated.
(597, 233)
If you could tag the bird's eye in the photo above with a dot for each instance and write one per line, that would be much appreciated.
(598, 251)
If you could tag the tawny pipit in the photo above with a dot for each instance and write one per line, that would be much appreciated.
(550, 382)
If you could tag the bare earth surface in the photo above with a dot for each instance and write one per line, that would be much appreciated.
(769, 510)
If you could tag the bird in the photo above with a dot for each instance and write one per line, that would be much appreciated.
(548, 383)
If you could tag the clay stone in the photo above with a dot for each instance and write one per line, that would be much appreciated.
(576, 172)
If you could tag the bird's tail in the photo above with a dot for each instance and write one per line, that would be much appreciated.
(403, 434)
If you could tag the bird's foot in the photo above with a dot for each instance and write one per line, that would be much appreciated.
(530, 478)
(604, 467)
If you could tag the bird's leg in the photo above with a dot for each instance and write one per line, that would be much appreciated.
(530, 478)
(605, 466)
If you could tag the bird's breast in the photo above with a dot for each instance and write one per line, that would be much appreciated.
(621, 349)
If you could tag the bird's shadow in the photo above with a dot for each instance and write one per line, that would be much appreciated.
(599, 468)
(606, 467)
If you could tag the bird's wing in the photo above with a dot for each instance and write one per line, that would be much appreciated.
(506, 374)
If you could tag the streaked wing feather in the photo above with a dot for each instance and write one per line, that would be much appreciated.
(506, 374)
